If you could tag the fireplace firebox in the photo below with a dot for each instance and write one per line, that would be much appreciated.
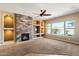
(24, 36)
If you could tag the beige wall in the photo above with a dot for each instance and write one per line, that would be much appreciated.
(75, 38)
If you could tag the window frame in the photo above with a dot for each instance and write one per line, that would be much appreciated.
(51, 28)
(63, 28)
(68, 28)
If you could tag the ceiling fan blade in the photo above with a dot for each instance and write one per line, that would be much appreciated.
(42, 12)
(46, 14)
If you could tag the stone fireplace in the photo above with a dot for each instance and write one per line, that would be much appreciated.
(23, 27)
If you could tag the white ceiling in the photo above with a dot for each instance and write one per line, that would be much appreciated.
(56, 9)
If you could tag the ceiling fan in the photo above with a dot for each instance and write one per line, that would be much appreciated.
(43, 13)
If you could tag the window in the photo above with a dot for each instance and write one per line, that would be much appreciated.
(69, 28)
(58, 28)
(48, 27)
(61, 28)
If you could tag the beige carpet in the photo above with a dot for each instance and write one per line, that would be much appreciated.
(41, 46)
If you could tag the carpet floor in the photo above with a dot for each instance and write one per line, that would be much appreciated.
(37, 47)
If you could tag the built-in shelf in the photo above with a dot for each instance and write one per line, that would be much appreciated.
(38, 28)
(41, 33)
(42, 27)
(37, 34)
(36, 25)
(9, 29)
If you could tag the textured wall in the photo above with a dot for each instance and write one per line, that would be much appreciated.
(23, 25)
